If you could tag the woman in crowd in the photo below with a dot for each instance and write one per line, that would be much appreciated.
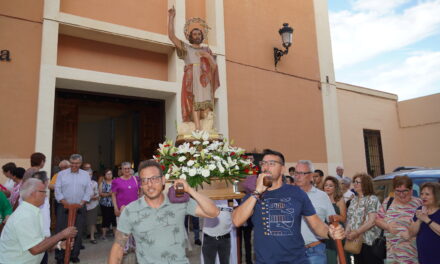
(334, 191)
(318, 179)
(125, 190)
(396, 219)
(361, 217)
(92, 207)
(17, 177)
(107, 210)
(426, 224)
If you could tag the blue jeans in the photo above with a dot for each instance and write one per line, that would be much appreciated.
(317, 254)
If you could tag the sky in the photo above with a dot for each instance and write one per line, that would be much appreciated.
(387, 45)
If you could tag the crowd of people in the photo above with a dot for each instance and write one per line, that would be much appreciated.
(408, 223)
(289, 218)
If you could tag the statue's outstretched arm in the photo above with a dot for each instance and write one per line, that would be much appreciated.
(171, 34)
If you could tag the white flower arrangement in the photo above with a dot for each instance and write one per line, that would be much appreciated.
(202, 160)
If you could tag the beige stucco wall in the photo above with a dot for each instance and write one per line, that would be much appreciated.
(409, 129)
(359, 109)
(274, 108)
(103, 57)
(20, 33)
(149, 15)
(420, 121)
(195, 8)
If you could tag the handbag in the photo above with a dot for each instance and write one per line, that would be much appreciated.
(379, 246)
(354, 246)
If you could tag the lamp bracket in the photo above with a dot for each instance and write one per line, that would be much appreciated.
(277, 54)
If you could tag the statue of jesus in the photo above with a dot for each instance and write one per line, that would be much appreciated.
(200, 79)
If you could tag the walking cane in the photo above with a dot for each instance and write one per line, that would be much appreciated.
(71, 217)
(341, 254)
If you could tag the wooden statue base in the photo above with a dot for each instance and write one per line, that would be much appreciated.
(217, 190)
(220, 190)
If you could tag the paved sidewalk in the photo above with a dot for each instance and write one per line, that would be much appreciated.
(98, 253)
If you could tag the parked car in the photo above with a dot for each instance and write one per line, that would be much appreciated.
(401, 168)
(383, 184)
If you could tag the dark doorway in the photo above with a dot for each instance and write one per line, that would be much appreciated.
(373, 152)
(106, 129)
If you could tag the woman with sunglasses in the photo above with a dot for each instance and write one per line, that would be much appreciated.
(360, 219)
(396, 219)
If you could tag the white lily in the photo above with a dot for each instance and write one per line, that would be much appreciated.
(184, 148)
(231, 162)
(220, 167)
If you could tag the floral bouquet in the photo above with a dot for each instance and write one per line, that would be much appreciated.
(201, 160)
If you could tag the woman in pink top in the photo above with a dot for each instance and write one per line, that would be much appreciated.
(125, 189)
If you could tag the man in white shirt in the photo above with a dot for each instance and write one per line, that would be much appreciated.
(22, 240)
(72, 187)
(340, 173)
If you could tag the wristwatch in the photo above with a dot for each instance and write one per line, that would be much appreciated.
(256, 195)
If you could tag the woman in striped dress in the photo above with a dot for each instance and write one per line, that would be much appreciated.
(396, 220)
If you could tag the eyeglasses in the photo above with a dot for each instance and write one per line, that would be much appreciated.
(401, 191)
(155, 179)
(298, 173)
(357, 182)
(269, 163)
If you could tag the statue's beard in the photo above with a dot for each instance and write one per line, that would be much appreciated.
(196, 41)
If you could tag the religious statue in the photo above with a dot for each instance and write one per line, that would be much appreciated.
(200, 79)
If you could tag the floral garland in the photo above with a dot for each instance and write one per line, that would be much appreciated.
(201, 160)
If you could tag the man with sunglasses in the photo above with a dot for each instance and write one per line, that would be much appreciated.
(157, 224)
(276, 213)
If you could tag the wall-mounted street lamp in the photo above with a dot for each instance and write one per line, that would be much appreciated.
(286, 33)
